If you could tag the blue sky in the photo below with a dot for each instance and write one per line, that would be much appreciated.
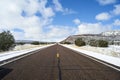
(54, 20)
(86, 10)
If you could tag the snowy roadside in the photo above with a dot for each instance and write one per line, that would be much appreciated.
(112, 50)
(11, 54)
(106, 58)
(26, 46)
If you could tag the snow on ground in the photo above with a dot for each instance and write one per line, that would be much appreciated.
(110, 59)
(113, 51)
(25, 46)
(20, 50)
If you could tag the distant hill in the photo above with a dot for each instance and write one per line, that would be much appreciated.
(110, 36)
(24, 41)
(111, 33)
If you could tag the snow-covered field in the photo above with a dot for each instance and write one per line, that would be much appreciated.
(26, 46)
(112, 50)
(103, 54)
(20, 50)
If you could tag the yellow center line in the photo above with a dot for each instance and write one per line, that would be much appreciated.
(58, 55)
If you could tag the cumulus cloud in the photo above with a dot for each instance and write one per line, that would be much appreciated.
(106, 2)
(21, 14)
(107, 15)
(18, 35)
(11, 16)
(58, 7)
(76, 21)
(92, 28)
(69, 11)
(103, 16)
(57, 32)
(116, 11)
(117, 22)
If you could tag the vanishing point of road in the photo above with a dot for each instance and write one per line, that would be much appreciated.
(57, 63)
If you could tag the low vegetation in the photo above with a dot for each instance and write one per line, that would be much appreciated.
(102, 43)
(6, 40)
(80, 42)
(35, 43)
(95, 43)
(67, 43)
(98, 43)
(20, 43)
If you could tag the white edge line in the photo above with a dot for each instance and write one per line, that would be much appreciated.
(24, 55)
(93, 58)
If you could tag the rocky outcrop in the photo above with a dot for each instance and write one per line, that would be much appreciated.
(111, 37)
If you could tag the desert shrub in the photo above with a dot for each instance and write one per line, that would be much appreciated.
(67, 42)
(93, 43)
(20, 43)
(111, 43)
(98, 43)
(6, 40)
(102, 43)
(42, 43)
(35, 43)
(79, 42)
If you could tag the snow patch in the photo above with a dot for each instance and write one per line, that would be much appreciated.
(11, 54)
(25, 46)
(106, 58)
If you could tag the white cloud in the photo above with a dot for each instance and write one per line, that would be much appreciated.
(106, 2)
(46, 12)
(103, 16)
(57, 32)
(18, 35)
(31, 25)
(116, 11)
(92, 28)
(65, 11)
(117, 22)
(68, 11)
(58, 6)
(76, 21)
(11, 17)
(107, 15)
(30, 7)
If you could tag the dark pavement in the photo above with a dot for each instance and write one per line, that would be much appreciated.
(47, 65)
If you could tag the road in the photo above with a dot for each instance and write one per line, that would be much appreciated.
(57, 63)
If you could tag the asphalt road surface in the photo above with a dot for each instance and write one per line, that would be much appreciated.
(57, 63)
